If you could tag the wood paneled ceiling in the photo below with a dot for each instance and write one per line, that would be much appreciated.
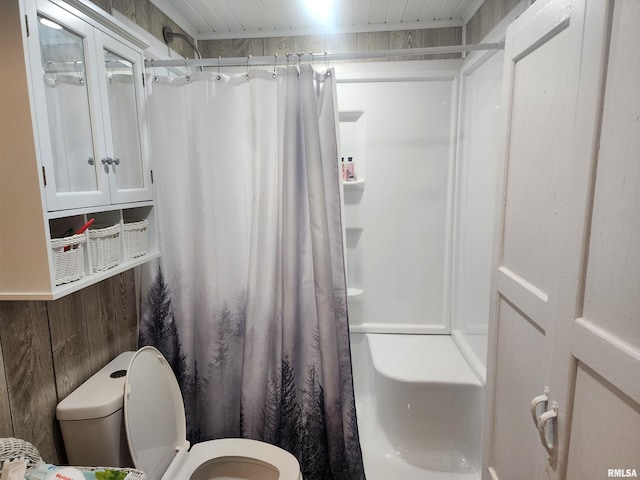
(217, 19)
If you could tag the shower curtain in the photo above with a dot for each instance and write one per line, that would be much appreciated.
(248, 302)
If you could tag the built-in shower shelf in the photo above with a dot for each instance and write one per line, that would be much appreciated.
(354, 292)
(354, 185)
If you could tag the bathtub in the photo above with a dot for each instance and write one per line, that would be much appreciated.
(419, 407)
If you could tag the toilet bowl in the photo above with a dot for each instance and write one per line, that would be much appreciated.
(137, 418)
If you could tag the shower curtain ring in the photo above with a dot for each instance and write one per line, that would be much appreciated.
(247, 74)
(275, 62)
(79, 72)
(155, 73)
(54, 77)
(326, 65)
(219, 77)
(187, 71)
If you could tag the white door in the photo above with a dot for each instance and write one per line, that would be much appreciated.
(65, 92)
(566, 283)
(128, 162)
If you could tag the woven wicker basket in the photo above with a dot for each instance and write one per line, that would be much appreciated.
(104, 247)
(12, 448)
(135, 239)
(68, 258)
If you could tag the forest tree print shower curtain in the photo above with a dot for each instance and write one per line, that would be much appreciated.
(248, 301)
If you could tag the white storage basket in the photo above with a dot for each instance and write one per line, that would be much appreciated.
(104, 247)
(135, 239)
(68, 258)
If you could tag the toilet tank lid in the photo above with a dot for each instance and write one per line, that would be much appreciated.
(100, 396)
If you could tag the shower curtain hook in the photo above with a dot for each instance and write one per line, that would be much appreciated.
(219, 77)
(155, 73)
(187, 71)
(275, 62)
(54, 77)
(79, 73)
(247, 74)
(326, 65)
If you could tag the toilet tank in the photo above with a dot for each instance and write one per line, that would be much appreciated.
(92, 421)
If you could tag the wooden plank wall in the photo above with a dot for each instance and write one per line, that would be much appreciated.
(335, 43)
(487, 17)
(49, 348)
(148, 16)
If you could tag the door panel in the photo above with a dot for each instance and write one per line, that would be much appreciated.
(613, 271)
(602, 412)
(540, 106)
(522, 341)
(542, 69)
(605, 338)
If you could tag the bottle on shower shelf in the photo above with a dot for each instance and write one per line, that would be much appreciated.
(344, 170)
(351, 173)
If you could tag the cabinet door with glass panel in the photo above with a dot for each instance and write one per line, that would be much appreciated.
(123, 113)
(89, 113)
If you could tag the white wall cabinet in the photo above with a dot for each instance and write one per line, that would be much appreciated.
(74, 143)
(87, 87)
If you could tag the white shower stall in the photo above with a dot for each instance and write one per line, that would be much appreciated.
(423, 137)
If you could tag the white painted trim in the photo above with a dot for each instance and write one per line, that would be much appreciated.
(88, 11)
(470, 356)
(399, 328)
(530, 300)
(548, 19)
(475, 60)
(592, 343)
(450, 213)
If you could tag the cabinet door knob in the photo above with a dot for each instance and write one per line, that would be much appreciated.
(116, 161)
(91, 161)
(107, 161)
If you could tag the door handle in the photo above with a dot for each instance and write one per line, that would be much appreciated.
(540, 399)
(548, 418)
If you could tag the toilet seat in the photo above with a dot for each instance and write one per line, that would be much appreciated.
(155, 425)
(268, 456)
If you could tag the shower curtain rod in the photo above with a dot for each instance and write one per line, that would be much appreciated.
(328, 57)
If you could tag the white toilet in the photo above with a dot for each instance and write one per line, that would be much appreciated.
(101, 426)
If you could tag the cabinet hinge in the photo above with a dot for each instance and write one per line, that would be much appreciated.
(44, 176)
(26, 22)
(151, 176)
